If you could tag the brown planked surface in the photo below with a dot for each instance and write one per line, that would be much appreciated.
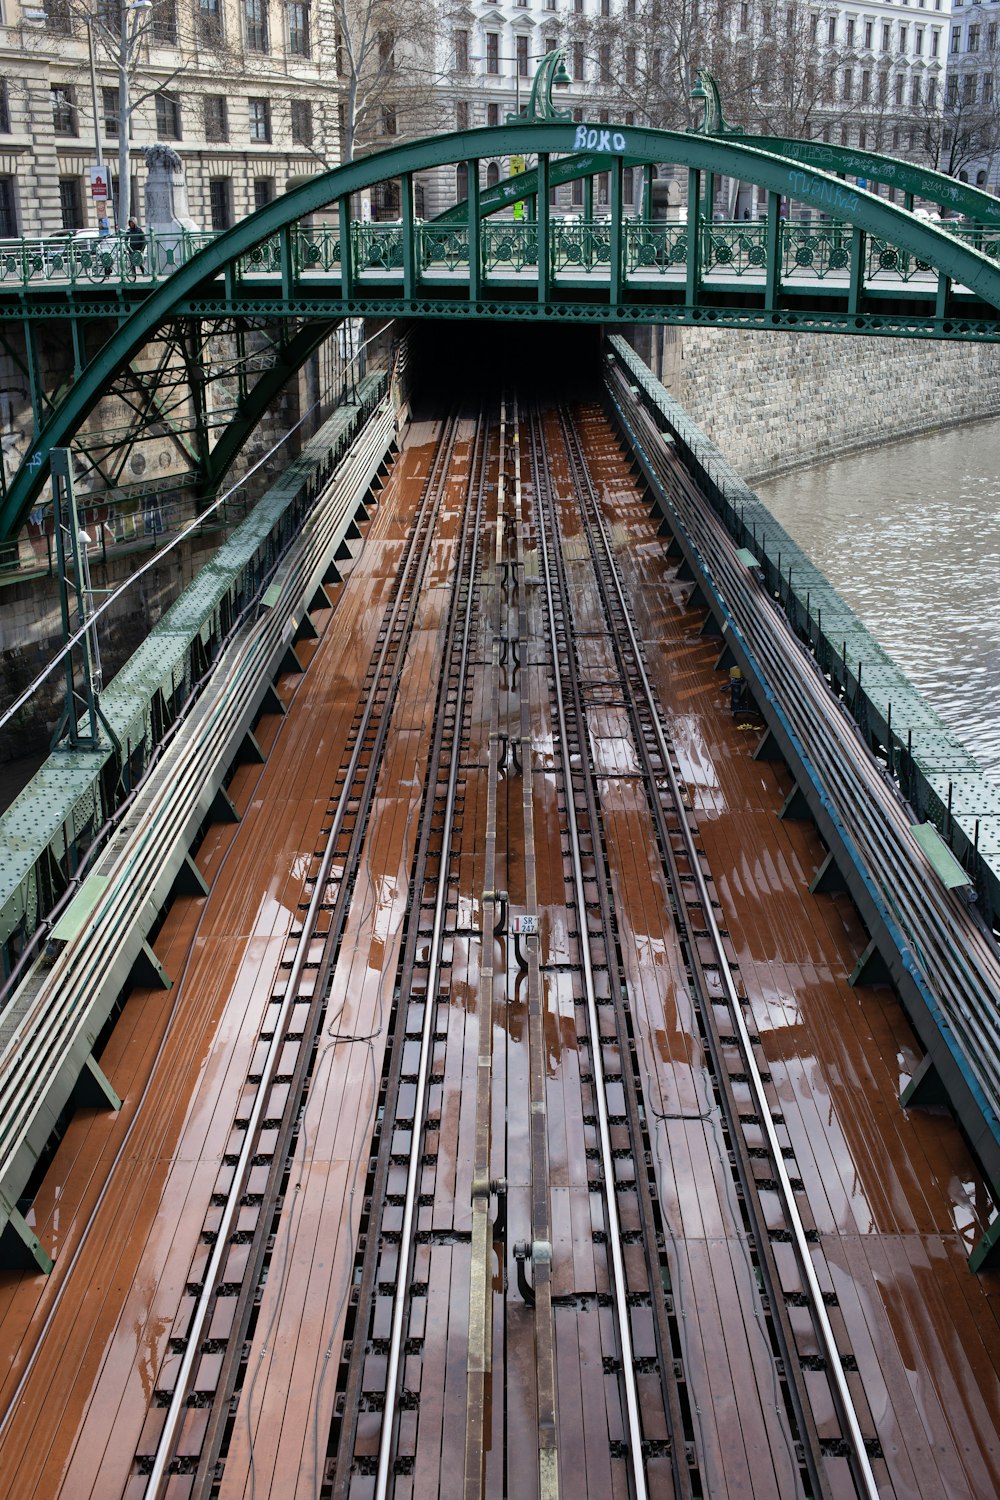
(895, 1195)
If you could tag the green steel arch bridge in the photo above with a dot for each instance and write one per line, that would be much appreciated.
(274, 287)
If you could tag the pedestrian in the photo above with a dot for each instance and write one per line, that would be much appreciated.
(136, 237)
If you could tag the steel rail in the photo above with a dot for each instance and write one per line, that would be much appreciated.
(597, 526)
(943, 941)
(386, 1435)
(614, 1227)
(166, 1443)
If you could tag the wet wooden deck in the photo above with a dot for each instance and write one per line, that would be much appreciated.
(893, 1196)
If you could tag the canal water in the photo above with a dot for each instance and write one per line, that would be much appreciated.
(909, 534)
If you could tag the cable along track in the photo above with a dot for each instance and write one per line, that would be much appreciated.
(199, 1384)
(767, 1189)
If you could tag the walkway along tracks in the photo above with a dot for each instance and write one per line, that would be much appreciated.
(945, 966)
(49, 1030)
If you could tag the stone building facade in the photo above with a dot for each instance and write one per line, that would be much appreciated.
(238, 87)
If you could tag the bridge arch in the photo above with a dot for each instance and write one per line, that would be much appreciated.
(253, 269)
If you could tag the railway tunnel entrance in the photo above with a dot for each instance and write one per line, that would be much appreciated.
(483, 360)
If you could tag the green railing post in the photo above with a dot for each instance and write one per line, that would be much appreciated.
(615, 247)
(941, 296)
(772, 275)
(857, 269)
(694, 237)
(346, 248)
(588, 200)
(409, 239)
(646, 207)
(475, 229)
(543, 226)
(285, 257)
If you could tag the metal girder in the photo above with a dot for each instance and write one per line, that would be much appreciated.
(292, 357)
(193, 286)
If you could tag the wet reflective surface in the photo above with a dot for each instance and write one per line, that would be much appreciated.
(909, 534)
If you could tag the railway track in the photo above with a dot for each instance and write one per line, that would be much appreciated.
(215, 1321)
(517, 1303)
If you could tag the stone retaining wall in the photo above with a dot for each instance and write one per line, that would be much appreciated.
(774, 401)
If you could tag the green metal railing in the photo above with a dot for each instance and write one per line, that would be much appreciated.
(813, 250)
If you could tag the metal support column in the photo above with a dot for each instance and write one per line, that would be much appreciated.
(409, 238)
(772, 284)
(693, 237)
(285, 261)
(475, 230)
(617, 231)
(34, 376)
(542, 223)
(857, 270)
(74, 603)
(346, 249)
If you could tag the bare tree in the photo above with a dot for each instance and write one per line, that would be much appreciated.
(965, 133)
(384, 54)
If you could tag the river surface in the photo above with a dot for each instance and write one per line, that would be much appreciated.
(909, 534)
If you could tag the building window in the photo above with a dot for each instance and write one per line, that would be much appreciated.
(869, 29)
(831, 30)
(165, 23)
(302, 122)
(951, 91)
(813, 27)
(850, 33)
(461, 182)
(58, 18)
(956, 39)
(71, 202)
(255, 24)
(918, 41)
(630, 67)
(576, 192)
(848, 82)
(900, 85)
(109, 109)
(388, 115)
(935, 42)
(902, 39)
(987, 89)
(549, 44)
(298, 29)
(492, 52)
(866, 83)
(168, 117)
(492, 174)
(4, 108)
(521, 47)
(604, 63)
(991, 37)
(578, 6)
(969, 89)
(578, 72)
(63, 111)
(210, 20)
(886, 38)
(932, 92)
(745, 15)
(462, 115)
(263, 192)
(915, 92)
(220, 198)
(216, 124)
(8, 209)
(260, 119)
(493, 115)
(461, 51)
(973, 38)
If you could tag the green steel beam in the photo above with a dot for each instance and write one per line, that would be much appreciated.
(222, 256)
(912, 180)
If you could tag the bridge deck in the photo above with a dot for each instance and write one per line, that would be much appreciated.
(892, 1196)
